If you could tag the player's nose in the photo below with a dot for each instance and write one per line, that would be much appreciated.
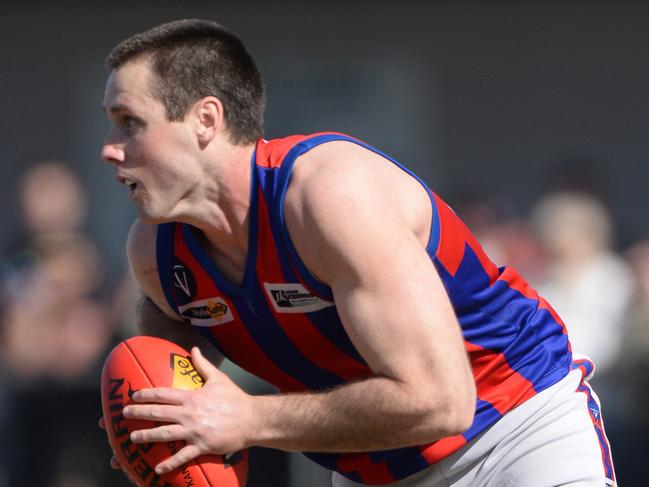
(112, 151)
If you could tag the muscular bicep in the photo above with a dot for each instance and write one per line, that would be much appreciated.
(393, 304)
(348, 226)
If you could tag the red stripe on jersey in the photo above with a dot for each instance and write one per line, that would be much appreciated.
(454, 236)
(496, 382)
(348, 462)
(516, 282)
(271, 154)
(369, 472)
(233, 337)
(439, 450)
(376, 474)
(299, 329)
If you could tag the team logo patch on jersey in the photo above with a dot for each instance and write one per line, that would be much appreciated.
(289, 297)
(183, 281)
(206, 312)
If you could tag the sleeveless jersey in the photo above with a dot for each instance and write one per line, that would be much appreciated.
(281, 323)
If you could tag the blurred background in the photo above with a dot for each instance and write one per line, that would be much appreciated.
(530, 118)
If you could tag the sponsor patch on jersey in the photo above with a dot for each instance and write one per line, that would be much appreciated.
(207, 312)
(288, 297)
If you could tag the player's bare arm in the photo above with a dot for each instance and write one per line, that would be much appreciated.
(367, 242)
(361, 225)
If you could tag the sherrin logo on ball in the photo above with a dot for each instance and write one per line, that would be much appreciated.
(143, 362)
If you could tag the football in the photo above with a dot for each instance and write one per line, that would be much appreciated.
(143, 362)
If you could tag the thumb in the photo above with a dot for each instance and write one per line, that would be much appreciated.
(204, 366)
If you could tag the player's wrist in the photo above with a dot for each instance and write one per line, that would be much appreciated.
(265, 419)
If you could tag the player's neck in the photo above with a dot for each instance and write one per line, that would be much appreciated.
(222, 210)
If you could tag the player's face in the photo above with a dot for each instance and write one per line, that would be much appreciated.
(153, 156)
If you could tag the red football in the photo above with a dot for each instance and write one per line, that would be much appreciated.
(139, 363)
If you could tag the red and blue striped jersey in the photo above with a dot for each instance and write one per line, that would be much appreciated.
(281, 323)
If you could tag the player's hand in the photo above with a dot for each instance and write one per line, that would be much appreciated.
(113, 460)
(214, 419)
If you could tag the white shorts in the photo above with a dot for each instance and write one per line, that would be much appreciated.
(550, 440)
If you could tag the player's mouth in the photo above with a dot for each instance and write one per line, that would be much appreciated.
(129, 183)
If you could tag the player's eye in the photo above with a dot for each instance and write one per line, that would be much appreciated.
(129, 124)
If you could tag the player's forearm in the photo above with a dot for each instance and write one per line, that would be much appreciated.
(153, 322)
(376, 413)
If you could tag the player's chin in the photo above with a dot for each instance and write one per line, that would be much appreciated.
(153, 216)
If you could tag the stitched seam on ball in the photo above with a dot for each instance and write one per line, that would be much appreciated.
(135, 358)
(200, 469)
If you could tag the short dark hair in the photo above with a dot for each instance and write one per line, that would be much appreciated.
(194, 58)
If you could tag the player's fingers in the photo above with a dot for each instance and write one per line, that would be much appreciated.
(160, 395)
(102, 423)
(185, 455)
(204, 366)
(151, 412)
(170, 432)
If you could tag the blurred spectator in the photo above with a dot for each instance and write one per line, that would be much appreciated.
(49, 283)
(54, 334)
(636, 344)
(503, 234)
(52, 200)
(586, 282)
(50, 314)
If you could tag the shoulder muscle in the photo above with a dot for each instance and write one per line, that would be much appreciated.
(141, 252)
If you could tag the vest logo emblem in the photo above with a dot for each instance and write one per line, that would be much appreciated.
(289, 297)
(207, 312)
(183, 281)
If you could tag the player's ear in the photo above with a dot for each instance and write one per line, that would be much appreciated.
(209, 117)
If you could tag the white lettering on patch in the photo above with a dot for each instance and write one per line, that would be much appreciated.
(294, 298)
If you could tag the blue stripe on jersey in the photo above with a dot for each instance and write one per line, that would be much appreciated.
(353, 476)
(381, 456)
(586, 364)
(501, 319)
(435, 228)
(164, 256)
(327, 460)
(269, 335)
(328, 323)
(485, 416)
(401, 462)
